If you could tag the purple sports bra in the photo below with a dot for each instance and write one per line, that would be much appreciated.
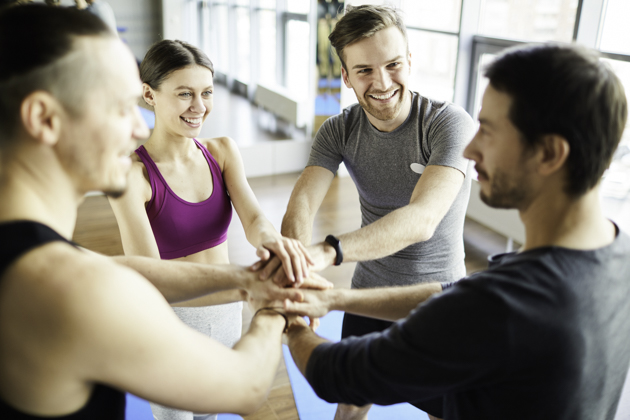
(182, 228)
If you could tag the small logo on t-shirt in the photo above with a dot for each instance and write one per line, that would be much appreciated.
(417, 168)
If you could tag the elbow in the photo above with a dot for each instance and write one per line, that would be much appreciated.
(425, 233)
(255, 397)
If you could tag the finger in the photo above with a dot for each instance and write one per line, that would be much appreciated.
(296, 260)
(300, 262)
(310, 259)
(280, 278)
(296, 308)
(287, 264)
(258, 265)
(270, 268)
(315, 281)
(282, 294)
(263, 253)
(313, 323)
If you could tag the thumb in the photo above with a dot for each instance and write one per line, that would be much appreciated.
(263, 253)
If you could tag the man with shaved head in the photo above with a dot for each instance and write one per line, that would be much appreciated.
(78, 329)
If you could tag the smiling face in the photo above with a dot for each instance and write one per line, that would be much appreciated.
(183, 101)
(95, 146)
(502, 161)
(378, 68)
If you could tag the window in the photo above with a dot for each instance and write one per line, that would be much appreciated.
(299, 6)
(433, 32)
(531, 20)
(616, 183)
(242, 44)
(433, 63)
(218, 48)
(297, 63)
(440, 15)
(267, 47)
(616, 31)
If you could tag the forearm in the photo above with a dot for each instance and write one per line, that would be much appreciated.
(217, 298)
(298, 223)
(259, 231)
(388, 303)
(302, 341)
(388, 235)
(260, 350)
(182, 281)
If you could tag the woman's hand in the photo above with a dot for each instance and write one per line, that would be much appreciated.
(276, 251)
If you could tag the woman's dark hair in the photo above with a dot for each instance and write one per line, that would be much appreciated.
(166, 56)
(35, 41)
(565, 90)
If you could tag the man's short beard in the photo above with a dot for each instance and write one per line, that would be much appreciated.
(506, 194)
(388, 114)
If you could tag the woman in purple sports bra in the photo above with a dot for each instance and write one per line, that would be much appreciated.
(178, 204)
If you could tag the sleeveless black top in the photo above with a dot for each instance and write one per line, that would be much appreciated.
(17, 238)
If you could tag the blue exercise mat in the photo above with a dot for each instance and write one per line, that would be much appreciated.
(137, 409)
(311, 407)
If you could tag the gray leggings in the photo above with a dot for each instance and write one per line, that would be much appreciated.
(221, 322)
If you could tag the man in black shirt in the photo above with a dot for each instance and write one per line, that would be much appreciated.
(543, 333)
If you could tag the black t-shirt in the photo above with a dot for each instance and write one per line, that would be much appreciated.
(543, 334)
(17, 238)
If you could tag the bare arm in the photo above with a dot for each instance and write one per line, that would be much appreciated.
(135, 230)
(302, 341)
(431, 199)
(182, 281)
(388, 303)
(308, 194)
(258, 229)
(146, 350)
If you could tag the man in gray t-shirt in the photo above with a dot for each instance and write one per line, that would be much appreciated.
(404, 153)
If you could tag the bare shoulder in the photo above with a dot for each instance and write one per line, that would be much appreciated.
(62, 278)
(221, 148)
(58, 291)
(138, 182)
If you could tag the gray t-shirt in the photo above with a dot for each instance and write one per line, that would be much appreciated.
(435, 133)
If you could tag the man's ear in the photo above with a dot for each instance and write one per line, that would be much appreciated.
(344, 76)
(409, 62)
(148, 95)
(553, 153)
(41, 115)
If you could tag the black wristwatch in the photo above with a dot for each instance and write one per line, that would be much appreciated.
(335, 243)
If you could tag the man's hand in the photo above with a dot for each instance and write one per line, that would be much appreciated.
(315, 303)
(277, 251)
(267, 290)
(321, 255)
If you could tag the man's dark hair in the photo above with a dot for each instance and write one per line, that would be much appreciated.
(166, 56)
(565, 90)
(360, 22)
(36, 46)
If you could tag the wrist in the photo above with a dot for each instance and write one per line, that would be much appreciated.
(245, 279)
(295, 328)
(335, 299)
(276, 312)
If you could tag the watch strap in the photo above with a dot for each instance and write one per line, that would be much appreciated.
(335, 243)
